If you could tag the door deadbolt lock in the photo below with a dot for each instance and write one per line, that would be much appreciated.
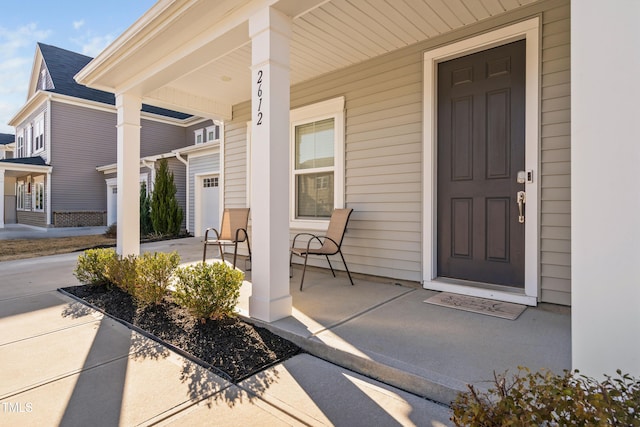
(525, 177)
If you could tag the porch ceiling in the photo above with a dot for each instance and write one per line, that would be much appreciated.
(195, 55)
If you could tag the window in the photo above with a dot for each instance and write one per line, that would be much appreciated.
(198, 136)
(213, 133)
(20, 195)
(38, 141)
(317, 146)
(210, 182)
(38, 194)
(20, 151)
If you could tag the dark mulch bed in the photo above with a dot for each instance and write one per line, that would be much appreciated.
(231, 345)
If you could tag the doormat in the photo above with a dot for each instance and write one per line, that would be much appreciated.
(504, 310)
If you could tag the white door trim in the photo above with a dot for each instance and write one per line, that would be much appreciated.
(530, 31)
(197, 182)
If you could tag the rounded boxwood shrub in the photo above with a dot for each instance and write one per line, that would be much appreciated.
(92, 266)
(154, 272)
(547, 399)
(208, 291)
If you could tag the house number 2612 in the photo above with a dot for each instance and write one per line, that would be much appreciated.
(259, 93)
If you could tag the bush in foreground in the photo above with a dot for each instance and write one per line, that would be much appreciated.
(546, 399)
(154, 272)
(91, 266)
(208, 291)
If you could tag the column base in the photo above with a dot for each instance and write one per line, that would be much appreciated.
(270, 310)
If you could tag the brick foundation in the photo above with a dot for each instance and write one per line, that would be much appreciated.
(79, 219)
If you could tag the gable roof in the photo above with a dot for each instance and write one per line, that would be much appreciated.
(7, 138)
(62, 65)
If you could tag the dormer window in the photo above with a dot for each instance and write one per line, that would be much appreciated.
(199, 136)
(213, 133)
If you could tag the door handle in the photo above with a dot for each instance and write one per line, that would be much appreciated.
(521, 199)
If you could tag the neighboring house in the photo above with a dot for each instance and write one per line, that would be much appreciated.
(480, 144)
(7, 201)
(7, 144)
(66, 134)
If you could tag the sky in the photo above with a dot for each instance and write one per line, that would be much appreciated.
(83, 26)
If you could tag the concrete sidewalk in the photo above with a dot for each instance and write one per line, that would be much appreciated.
(63, 364)
(21, 231)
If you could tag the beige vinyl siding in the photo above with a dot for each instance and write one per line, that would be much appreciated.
(555, 212)
(384, 143)
(235, 157)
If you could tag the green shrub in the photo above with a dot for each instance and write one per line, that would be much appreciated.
(208, 291)
(123, 272)
(166, 214)
(543, 398)
(112, 231)
(146, 227)
(154, 276)
(92, 266)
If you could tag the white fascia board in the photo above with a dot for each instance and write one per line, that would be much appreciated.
(29, 107)
(200, 149)
(17, 167)
(113, 167)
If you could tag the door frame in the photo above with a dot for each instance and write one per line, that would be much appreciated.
(197, 181)
(530, 31)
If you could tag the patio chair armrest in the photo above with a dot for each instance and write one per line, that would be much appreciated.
(246, 236)
(206, 234)
(301, 234)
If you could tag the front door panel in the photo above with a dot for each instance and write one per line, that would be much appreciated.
(480, 151)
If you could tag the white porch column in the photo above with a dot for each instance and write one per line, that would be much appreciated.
(48, 203)
(270, 33)
(128, 216)
(605, 199)
(2, 198)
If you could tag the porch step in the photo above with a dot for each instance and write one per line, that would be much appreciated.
(427, 385)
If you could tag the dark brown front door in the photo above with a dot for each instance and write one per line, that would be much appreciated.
(480, 151)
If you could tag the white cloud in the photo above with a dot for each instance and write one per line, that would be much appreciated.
(91, 44)
(78, 24)
(17, 47)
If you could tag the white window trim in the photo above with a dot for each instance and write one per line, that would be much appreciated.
(198, 133)
(37, 181)
(528, 30)
(21, 196)
(39, 119)
(20, 151)
(332, 108)
(209, 129)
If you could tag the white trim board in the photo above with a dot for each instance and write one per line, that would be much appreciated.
(530, 31)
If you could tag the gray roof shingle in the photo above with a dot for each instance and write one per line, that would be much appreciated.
(63, 64)
(35, 161)
(6, 138)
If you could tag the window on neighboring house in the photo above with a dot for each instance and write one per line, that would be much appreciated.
(210, 182)
(213, 133)
(317, 145)
(38, 194)
(38, 137)
(21, 191)
(20, 151)
(199, 134)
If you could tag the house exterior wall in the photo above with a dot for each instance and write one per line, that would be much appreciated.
(383, 152)
(29, 121)
(84, 138)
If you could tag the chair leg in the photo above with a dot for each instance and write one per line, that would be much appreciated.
(221, 252)
(204, 254)
(330, 266)
(235, 254)
(346, 268)
(290, 264)
(304, 269)
(249, 248)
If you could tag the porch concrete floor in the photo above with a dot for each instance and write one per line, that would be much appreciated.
(387, 332)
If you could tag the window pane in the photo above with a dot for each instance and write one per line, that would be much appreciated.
(314, 145)
(314, 195)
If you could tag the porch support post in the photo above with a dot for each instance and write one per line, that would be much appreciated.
(48, 201)
(128, 169)
(2, 198)
(270, 33)
(605, 201)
